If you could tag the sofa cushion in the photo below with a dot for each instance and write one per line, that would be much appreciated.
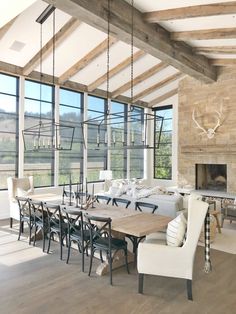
(176, 230)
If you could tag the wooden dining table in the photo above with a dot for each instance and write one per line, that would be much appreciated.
(125, 221)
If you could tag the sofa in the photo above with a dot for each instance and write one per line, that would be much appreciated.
(168, 204)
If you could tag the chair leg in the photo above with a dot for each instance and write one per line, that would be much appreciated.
(30, 232)
(189, 289)
(140, 283)
(20, 229)
(11, 222)
(82, 249)
(68, 252)
(110, 266)
(91, 261)
(126, 260)
(35, 231)
(49, 242)
(43, 233)
(61, 244)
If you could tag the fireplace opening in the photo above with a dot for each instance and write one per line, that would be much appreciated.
(211, 177)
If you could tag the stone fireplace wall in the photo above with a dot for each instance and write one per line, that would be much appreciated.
(194, 147)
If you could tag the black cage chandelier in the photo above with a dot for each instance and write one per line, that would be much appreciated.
(47, 136)
(138, 132)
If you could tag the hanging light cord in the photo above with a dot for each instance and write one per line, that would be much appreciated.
(108, 48)
(132, 58)
(41, 72)
(53, 48)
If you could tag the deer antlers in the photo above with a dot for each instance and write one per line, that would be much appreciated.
(211, 131)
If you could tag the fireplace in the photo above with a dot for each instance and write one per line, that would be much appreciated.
(211, 177)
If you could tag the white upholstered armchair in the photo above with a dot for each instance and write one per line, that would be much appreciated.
(163, 260)
(18, 187)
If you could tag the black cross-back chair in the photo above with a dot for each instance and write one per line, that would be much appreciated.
(78, 233)
(105, 198)
(25, 216)
(141, 206)
(121, 201)
(102, 241)
(56, 225)
(39, 219)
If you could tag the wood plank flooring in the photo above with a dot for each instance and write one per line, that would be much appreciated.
(36, 282)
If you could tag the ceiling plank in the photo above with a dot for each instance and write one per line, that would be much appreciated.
(64, 32)
(4, 29)
(160, 84)
(152, 39)
(89, 57)
(223, 62)
(216, 50)
(215, 33)
(163, 97)
(48, 79)
(140, 78)
(190, 12)
(121, 66)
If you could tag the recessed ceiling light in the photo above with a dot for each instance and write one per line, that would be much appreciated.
(17, 45)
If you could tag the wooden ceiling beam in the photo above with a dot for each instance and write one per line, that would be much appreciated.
(4, 29)
(118, 68)
(163, 97)
(223, 62)
(216, 50)
(64, 32)
(158, 85)
(152, 39)
(140, 78)
(48, 79)
(190, 12)
(89, 57)
(215, 33)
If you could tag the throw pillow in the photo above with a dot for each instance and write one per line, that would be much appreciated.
(176, 230)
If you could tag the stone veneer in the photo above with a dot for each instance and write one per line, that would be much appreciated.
(195, 148)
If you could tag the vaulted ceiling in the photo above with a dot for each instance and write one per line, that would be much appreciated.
(171, 38)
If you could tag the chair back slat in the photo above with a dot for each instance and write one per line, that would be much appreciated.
(24, 207)
(117, 201)
(143, 206)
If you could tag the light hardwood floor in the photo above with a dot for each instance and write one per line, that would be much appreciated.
(33, 282)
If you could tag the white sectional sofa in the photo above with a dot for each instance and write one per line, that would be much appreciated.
(168, 205)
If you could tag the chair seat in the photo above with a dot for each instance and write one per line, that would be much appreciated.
(116, 244)
(76, 235)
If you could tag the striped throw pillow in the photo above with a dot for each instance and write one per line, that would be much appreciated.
(176, 230)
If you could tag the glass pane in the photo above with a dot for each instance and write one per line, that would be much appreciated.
(96, 104)
(7, 123)
(70, 98)
(32, 108)
(8, 128)
(8, 84)
(32, 90)
(7, 103)
(69, 114)
(163, 173)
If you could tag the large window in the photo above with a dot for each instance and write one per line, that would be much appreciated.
(8, 128)
(71, 162)
(97, 138)
(163, 154)
(118, 131)
(39, 164)
(136, 134)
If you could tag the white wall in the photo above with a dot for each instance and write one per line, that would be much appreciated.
(150, 173)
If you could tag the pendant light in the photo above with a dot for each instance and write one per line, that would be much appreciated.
(47, 136)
